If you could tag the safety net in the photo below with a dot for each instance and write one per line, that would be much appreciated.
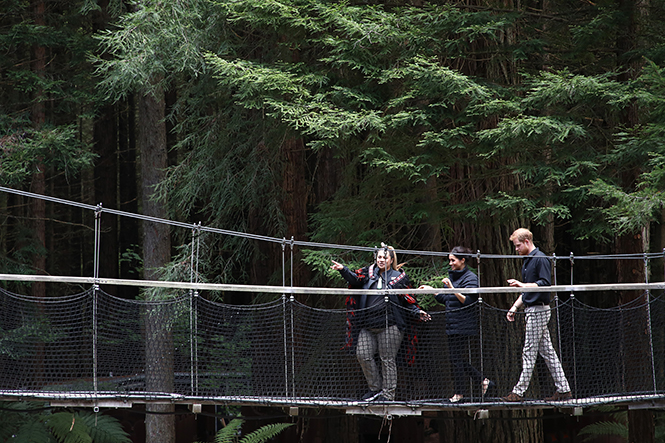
(92, 343)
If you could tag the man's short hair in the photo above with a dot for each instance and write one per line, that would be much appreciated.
(522, 234)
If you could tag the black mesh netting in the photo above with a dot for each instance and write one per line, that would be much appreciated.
(193, 347)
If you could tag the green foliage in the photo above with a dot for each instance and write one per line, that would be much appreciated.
(29, 422)
(230, 432)
(604, 429)
(437, 117)
(156, 40)
(618, 426)
(13, 341)
(231, 361)
(24, 151)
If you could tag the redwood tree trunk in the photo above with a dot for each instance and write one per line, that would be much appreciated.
(38, 185)
(128, 227)
(160, 427)
(105, 141)
(294, 204)
(106, 185)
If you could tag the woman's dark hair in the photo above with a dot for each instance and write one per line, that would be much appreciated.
(462, 252)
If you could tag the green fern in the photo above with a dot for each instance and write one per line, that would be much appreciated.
(103, 428)
(604, 428)
(25, 423)
(617, 427)
(229, 434)
(31, 432)
(265, 433)
(68, 428)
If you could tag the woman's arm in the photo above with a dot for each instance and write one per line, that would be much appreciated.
(354, 279)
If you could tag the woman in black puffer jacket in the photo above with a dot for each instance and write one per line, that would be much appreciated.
(461, 322)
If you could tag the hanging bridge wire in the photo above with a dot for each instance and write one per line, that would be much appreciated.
(295, 242)
(291, 248)
(648, 304)
(193, 308)
(286, 354)
(480, 328)
(196, 305)
(572, 313)
(95, 288)
(291, 308)
(478, 264)
(556, 306)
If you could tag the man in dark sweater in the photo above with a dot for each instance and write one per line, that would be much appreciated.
(536, 271)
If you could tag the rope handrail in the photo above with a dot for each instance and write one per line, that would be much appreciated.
(325, 291)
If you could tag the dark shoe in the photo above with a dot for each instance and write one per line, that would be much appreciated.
(512, 397)
(380, 398)
(560, 396)
(488, 386)
(369, 396)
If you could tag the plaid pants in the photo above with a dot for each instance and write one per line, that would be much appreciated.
(537, 340)
(386, 342)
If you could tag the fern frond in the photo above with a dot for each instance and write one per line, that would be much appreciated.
(68, 428)
(32, 431)
(265, 433)
(229, 432)
(103, 428)
(604, 428)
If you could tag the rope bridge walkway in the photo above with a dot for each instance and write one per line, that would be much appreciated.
(95, 349)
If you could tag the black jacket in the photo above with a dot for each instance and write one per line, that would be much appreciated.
(375, 317)
(461, 318)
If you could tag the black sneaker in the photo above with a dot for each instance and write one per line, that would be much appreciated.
(369, 396)
(380, 398)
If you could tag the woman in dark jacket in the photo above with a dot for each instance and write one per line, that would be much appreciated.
(461, 322)
(380, 326)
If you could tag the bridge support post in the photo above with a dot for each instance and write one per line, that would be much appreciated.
(641, 427)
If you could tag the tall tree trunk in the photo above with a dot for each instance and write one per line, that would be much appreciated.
(641, 426)
(106, 186)
(105, 143)
(38, 185)
(327, 178)
(4, 225)
(431, 230)
(129, 240)
(294, 204)
(160, 427)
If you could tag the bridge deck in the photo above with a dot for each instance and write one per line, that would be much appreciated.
(393, 408)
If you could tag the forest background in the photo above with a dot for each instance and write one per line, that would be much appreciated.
(422, 124)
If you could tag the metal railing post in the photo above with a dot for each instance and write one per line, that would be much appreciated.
(648, 300)
(95, 290)
(572, 321)
(286, 354)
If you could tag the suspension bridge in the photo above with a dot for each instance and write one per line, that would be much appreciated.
(96, 350)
